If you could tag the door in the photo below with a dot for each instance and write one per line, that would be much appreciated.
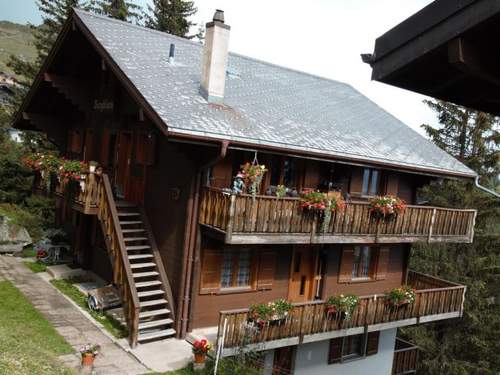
(283, 360)
(302, 274)
(122, 163)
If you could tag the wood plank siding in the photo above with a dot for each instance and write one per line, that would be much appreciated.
(243, 219)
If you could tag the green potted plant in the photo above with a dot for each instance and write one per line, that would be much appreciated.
(386, 208)
(253, 174)
(92, 166)
(272, 313)
(401, 296)
(341, 306)
(200, 350)
(89, 352)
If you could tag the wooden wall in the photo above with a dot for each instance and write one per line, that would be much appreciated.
(207, 306)
(396, 272)
(166, 196)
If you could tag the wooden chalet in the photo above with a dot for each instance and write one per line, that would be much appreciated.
(171, 126)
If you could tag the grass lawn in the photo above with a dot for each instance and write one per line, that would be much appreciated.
(36, 266)
(28, 342)
(227, 366)
(111, 325)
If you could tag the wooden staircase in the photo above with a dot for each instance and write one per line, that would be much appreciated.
(137, 268)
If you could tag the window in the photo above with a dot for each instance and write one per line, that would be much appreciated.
(362, 262)
(371, 178)
(351, 347)
(236, 269)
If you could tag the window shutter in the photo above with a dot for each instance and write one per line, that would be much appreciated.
(356, 181)
(345, 272)
(105, 140)
(382, 263)
(75, 141)
(265, 274)
(335, 352)
(145, 148)
(372, 343)
(211, 271)
(89, 143)
(392, 185)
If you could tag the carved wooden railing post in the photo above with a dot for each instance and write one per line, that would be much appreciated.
(230, 222)
(433, 219)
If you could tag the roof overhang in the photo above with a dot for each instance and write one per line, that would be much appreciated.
(448, 50)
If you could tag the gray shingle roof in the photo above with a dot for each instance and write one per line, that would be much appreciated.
(265, 104)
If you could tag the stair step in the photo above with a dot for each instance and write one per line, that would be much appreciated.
(145, 284)
(132, 230)
(155, 323)
(150, 293)
(154, 302)
(130, 222)
(156, 335)
(140, 256)
(142, 265)
(125, 204)
(145, 274)
(129, 214)
(129, 239)
(148, 314)
(139, 247)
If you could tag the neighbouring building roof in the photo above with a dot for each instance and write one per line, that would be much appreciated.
(265, 104)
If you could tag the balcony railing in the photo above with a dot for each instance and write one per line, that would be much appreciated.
(308, 322)
(243, 219)
(405, 358)
(83, 197)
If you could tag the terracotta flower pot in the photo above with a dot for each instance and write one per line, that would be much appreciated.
(199, 358)
(87, 359)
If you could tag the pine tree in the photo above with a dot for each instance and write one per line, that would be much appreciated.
(473, 137)
(469, 346)
(119, 9)
(172, 16)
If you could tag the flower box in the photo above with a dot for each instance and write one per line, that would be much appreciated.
(386, 208)
(399, 297)
(341, 306)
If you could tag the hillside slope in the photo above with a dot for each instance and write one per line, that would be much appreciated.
(15, 39)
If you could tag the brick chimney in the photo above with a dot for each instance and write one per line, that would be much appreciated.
(215, 53)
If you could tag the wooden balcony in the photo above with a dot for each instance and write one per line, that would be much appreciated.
(436, 299)
(405, 358)
(243, 219)
(83, 199)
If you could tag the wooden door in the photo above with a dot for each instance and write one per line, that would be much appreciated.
(283, 360)
(122, 163)
(302, 274)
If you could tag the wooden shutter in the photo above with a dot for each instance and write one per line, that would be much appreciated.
(346, 262)
(382, 263)
(88, 151)
(211, 271)
(335, 352)
(105, 140)
(265, 273)
(356, 184)
(372, 343)
(392, 185)
(145, 148)
(75, 141)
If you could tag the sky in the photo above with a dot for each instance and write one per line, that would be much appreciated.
(322, 37)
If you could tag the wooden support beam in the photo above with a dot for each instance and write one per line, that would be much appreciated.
(466, 58)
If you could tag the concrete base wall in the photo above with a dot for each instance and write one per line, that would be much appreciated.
(312, 358)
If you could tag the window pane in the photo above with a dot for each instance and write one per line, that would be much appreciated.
(366, 181)
(227, 271)
(355, 263)
(374, 183)
(366, 256)
(243, 277)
